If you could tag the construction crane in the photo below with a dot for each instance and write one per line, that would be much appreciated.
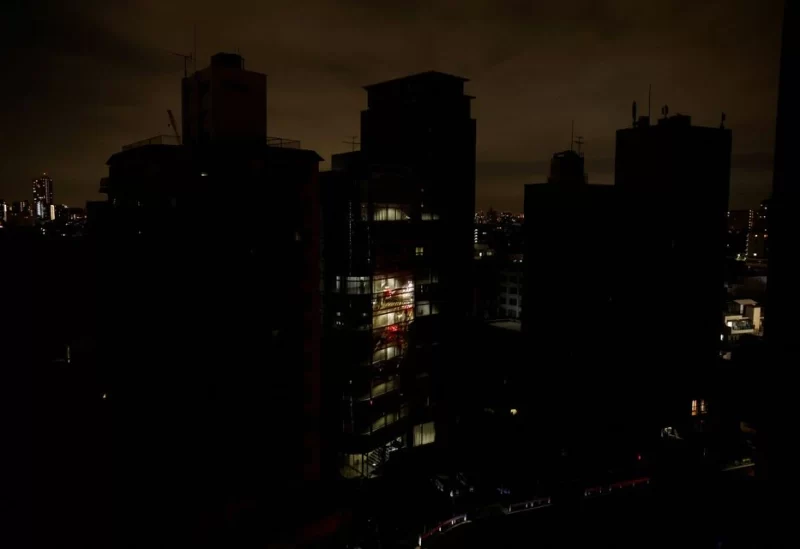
(174, 125)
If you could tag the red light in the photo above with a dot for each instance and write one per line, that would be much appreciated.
(393, 328)
(639, 457)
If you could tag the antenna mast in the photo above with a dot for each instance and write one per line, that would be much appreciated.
(571, 135)
(352, 142)
(579, 142)
(186, 58)
(194, 49)
(649, 95)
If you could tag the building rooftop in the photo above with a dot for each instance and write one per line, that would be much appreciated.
(422, 77)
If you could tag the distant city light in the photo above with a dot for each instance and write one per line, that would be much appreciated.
(203, 174)
(513, 411)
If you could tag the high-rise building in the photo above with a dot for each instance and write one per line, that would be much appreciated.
(3, 210)
(213, 334)
(778, 415)
(397, 253)
(739, 224)
(783, 226)
(758, 235)
(42, 196)
(570, 270)
(224, 103)
(673, 181)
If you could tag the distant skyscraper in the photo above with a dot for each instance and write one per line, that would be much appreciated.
(42, 196)
(397, 254)
(758, 235)
(3, 210)
(21, 208)
(739, 223)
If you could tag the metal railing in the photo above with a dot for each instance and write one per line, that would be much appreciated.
(283, 143)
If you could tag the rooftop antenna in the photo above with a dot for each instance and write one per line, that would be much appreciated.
(579, 142)
(633, 113)
(194, 49)
(353, 142)
(649, 96)
(571, 135)
(186, 58)
(722, 123)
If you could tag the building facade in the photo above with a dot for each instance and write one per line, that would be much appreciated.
(397, 253)
(211, 324)
(43, 196)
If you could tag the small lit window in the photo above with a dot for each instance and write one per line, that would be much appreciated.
(694, 407)
(419, 251)
(703, 408)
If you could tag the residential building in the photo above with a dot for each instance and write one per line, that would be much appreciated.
(570, 262)
(211, 331)
(758, 236)
(739, 223)
(21, 208)
(509, 295)
(743, 316)
(673, 182)
(224, 103)
(397, 254)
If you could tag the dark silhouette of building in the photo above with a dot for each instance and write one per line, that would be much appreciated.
(42, 196)
(570, 264)
(397, 259)
(778, 417)
(673, 182)
(224, 103)
(211, 329)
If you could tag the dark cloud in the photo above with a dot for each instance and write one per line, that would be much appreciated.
(88, 76)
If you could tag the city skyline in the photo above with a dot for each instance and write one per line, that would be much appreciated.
(534, 70)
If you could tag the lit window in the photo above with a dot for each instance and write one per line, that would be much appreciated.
(424, 433)
(420, 250)
(694, 407)
(703, 409)
(423, 308)
(389, 212)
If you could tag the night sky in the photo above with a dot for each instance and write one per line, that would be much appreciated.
(82, 78)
